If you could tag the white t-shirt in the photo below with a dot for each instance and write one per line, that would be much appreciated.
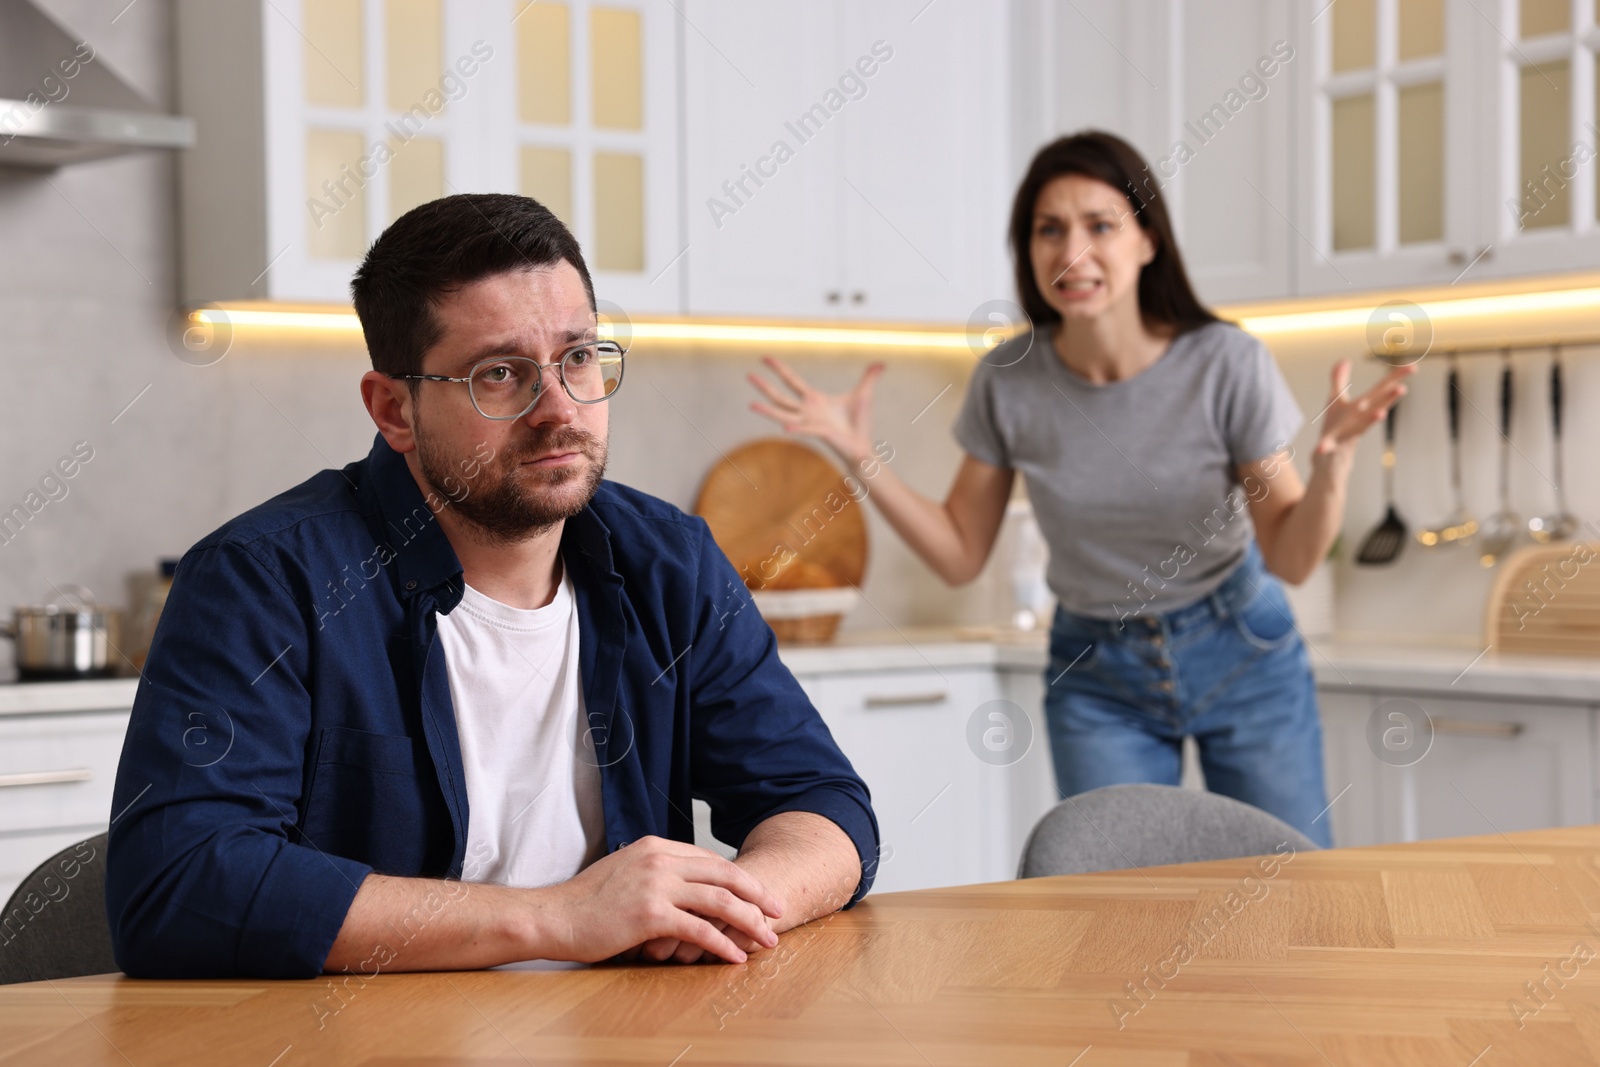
(533, 788)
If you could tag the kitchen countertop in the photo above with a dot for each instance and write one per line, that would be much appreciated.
(1464, 669)
(1347, 661)
(1386, 663)
(100, 694)
(919, 648)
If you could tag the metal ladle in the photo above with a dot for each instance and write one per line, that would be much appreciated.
(1501, 530)
(1563, 524)
(1460, 526)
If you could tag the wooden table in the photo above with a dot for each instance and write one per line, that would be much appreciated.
(1470, 951)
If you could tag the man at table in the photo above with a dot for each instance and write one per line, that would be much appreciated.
(447, 707)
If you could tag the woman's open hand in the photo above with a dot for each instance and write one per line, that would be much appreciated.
(841, 421)
(1345, 419)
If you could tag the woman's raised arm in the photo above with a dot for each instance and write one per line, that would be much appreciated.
(954, 538)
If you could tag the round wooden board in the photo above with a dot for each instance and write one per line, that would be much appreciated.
(784, 516)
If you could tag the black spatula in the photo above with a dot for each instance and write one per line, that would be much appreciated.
(1383, 543)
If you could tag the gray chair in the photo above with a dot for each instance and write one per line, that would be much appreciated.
(55, 924)
(1122, 826)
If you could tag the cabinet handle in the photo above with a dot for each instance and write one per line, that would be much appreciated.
(74, 774)
(901, 700)
(1471, 728)
(834, 296)
(858, 297)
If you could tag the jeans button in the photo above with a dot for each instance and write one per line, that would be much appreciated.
(1165, 685)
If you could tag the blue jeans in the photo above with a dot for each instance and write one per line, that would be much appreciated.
(1229, 669)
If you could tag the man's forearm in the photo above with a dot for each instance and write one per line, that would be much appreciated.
(807, 862)
(422, 924)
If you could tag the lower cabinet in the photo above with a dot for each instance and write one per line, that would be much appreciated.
(907, 734)
(1416, 765)
(957, 762)
(1350, 769)
(56, 774)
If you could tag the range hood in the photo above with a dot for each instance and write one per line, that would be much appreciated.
(60, 104)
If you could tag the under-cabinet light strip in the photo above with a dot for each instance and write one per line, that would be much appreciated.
(954, 337)
(749, 333)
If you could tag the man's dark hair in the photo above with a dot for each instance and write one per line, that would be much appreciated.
(436, 249)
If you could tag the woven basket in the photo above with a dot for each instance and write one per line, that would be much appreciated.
(807, 630)
(805, 616)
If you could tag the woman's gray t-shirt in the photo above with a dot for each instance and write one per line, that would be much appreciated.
(1134, 483)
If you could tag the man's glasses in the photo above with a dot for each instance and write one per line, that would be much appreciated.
(508, 387)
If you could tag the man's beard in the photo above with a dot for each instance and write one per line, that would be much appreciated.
(498, 504)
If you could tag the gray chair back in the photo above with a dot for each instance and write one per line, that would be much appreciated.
(1122, 826)
(55, 924)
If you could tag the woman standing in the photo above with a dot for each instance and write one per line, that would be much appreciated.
(1153, 438)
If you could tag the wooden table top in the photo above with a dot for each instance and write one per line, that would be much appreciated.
(1473, 951)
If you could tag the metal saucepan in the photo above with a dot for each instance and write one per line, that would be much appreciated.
(61, 640)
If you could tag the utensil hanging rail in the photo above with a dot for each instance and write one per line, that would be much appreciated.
(1496, 346)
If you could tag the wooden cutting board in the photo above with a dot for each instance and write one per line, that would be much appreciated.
(1546, 600)
(784, 516)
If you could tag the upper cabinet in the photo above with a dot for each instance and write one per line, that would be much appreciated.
(322, 122)
(1539, 119)
(1224, 166)
(846, 160)
(1204, 92)
(1446, 140)
(1392, 188)
(586, 122)
(1314, 148)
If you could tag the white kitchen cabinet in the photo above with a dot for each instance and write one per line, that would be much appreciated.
(1389, 136)
(1204, 92)
(1404, 143)
(21, 854)
(761, 205)
(1350, 770)
(56, 775)
(1492, 766)
(320, 123)
(1027, 788)
(1232, 115)
(926, 195)
(906, 734)
(1445, 140)
(1536, 110)
(607, 162)
(845, 160)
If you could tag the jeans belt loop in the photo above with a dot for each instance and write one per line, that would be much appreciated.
(1223, 598)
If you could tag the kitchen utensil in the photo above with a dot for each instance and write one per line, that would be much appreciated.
(1460, 526)
(1546, 601)
(61, 641)
(1563, 524)
(787, 519)
(1501, 530)
(1384, 542)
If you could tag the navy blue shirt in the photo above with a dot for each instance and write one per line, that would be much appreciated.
(293, 729)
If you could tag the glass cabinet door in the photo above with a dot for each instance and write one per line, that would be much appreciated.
(376, 106)
(364, 122)
(1449, 141)
(593, 137)
(1545, 213)
(1385, 119)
